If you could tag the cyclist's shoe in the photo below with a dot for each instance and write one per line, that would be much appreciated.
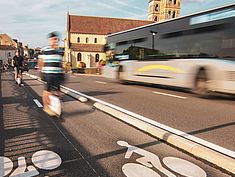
(49, 112)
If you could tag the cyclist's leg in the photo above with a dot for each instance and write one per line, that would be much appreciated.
(20, 75)
(56, 84)
(16, 73)
(47, 93)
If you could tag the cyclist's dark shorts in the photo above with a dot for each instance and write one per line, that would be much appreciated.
(53, 81)
(19, 70)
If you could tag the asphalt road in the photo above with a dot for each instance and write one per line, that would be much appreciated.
(211, 119)
(85, 140)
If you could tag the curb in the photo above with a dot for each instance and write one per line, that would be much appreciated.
(193, 148)
(225, 162)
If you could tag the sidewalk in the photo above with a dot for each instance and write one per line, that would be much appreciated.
(25, 129)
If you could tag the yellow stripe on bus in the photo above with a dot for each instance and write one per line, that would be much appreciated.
(162, 67)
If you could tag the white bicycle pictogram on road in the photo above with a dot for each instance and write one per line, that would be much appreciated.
(149, 160)
(45, 160)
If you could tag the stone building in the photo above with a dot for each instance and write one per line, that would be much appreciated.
(86, 37)
(7, 49)
(160, 10)
(6, 54)
(7, 40)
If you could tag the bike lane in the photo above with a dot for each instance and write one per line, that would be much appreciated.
(31, 140)
(89, 142)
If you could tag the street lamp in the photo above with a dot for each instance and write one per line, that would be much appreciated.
(153, 36)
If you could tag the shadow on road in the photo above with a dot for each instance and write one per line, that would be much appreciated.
(26, 129)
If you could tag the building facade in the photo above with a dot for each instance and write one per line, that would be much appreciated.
(7, 49)
(86, 37)
(6, 54)
(6, 40)
(160, 10)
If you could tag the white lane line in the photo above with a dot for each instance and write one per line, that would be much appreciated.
(99, 82)
(37, 103)
(73, 76)
(166, 94)
(167, 128)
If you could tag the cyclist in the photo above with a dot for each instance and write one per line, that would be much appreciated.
(18, 63)
(51, 70)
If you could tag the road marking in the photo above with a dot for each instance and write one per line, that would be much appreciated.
(166, 94)
(157, 124)
(99, 82)
(132, 169)
(184, 167)
(149, 161)
(72, 76)
(6, 165)
(37, 103)
(46, 160)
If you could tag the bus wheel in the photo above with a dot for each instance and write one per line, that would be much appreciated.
(201, 84)
(120, 76)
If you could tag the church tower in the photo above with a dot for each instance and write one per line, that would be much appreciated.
(160, 10)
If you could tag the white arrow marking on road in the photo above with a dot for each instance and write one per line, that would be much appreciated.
(37, 103)
(166, 94)
(99, 82)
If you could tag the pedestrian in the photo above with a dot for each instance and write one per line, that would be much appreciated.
(18, 64)
(50, 66)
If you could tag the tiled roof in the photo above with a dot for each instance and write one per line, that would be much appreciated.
(102, 25)
(6, 47)
(87, 47)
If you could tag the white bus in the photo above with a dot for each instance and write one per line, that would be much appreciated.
(195, 52)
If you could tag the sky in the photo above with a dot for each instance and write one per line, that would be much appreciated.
(30, 21)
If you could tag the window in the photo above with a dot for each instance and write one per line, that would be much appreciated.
(78, 39)
(79, 57)
(155, 19)
(170, 1)
(95, 40)
(157, 8)
(87, 40)
(173, 15)
(175, 1)
(169, 14)
(97, 58)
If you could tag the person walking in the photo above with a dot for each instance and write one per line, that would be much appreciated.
(18, 63)
(50, 66)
